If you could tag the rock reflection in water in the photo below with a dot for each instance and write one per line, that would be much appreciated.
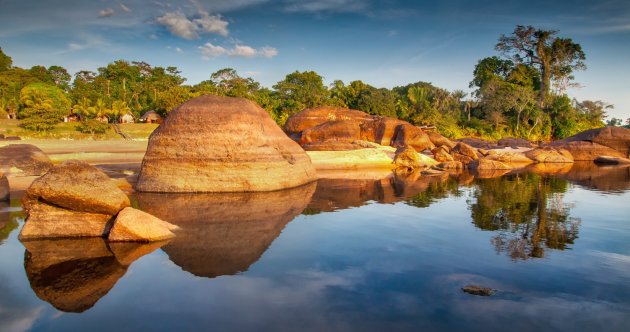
(338, 194)
(10, 214)
(223, 234)
(73, 274)
(603, 178)
(526, 211)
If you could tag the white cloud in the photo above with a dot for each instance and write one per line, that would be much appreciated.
(106, 12)
(179, 25)
(268, 52)
(178, 50)
(212, 24)
(243, 50)
(124, 8)
(209, 51)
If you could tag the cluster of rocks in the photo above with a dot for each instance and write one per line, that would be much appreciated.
(24, 159)
(75, 199)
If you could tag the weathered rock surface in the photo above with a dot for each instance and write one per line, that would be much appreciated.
(73, 274)
(586, 151)
(477, 143)
(464, 153)
(346, 131)
(224, 233)
(486, 164)
(222, 144)
(439, 140)
(46, 221)
(29, 159)
(407, 156)
(450, 165)
(508, 157)
(607, 160)
(441, 155)
(4, 188)
(133, 225)
(331, 146)
(615, 138)
(77, 186)
(514, 142)
(386, 130)
(549, 155)
(312, 117)
(409, 135)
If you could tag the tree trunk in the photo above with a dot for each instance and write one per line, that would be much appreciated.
(544, 84)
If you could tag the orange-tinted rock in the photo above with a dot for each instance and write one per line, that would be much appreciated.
(4, 188)
(29, 159)
(46, 221)
(464, 153)
(331, 146)
(441, 155)
(439, 140)
(486, 164)
(133, 225)
(407, 156)
(587, 151)
(612, 160)
(549, 155)
(450, 165)
(77, 186)
(222, 144)
(477, 143)
(312, 117)
(508, 157)
(514, 142)
(333, 131)
(615, 138)
(385, 130)
(409, 135)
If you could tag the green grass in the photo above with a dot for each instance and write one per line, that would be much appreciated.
(68, 131)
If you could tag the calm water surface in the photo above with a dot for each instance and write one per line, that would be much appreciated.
(337, 255)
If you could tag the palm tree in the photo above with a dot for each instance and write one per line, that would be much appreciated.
(99, 111)
(119, 108)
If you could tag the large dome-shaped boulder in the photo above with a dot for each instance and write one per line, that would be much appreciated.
(413, 136)
(333, 131)
(222, 144)
(586, 150)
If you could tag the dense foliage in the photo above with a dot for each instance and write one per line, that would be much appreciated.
(521, 94)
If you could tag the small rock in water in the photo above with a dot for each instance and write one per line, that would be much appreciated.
(478, 290)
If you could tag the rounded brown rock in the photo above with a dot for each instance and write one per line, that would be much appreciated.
(222, 144)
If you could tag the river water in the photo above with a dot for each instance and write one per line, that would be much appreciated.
(345, 255)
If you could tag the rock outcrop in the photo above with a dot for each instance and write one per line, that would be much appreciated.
(222, 144)
(409, 135)
(477, 143)
(612, 160)
(133, 225)
(615, 138)
(312, 117)
(464, 153)
(440, 154)
(508, 157)
(4, 188)
(24, 158)
(346, 131)
(486, 164)
(439, 140)
(514, 142)
(549, 155)
(407, 157)
(586, 150)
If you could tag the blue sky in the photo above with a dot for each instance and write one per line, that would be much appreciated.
(384, 43)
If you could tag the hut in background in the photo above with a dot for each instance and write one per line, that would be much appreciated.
(151, 117)
(127, 118)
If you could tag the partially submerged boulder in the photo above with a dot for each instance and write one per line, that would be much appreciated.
(407, 156)
(133, 225)
(586, 150)
(486, 164)
(77, 186)
(508, 157)
(222, 144)
(549, 155)
(4, 188)
(28, 159)
(615, 138)
(409, 135)
(47, 221)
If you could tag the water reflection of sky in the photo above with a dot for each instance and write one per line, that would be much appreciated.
(370, 267)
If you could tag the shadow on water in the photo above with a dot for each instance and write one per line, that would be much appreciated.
(10, 216)
(73, 274)
(223, 234)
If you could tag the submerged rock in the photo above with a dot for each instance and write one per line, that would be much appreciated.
(222, 144)
(478, 290)
(47, 221)
(27, 158)
(133, 225)
(586, 150)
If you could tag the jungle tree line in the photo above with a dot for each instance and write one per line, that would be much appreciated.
(521, 92)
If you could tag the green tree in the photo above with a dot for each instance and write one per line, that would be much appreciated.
(60, 77)
(5, 61)
(300, 90)
(43, 106)
(555, 58)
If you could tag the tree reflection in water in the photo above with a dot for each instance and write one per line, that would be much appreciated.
(527, 211)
